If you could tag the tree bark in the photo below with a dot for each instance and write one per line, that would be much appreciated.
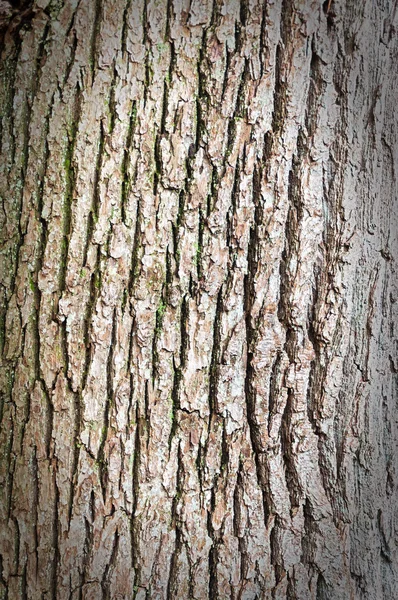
(199, 300)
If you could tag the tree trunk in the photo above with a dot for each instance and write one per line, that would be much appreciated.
(199, 300)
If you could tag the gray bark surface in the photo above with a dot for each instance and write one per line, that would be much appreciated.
(198, 300)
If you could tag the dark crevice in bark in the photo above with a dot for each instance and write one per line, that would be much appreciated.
(71, 60)
(25, 133)
(70, 179)
(231, 215)
(292, 249)
(215, 357)
(40, 59)
(70, 175)
(385, 549)
(333, 249)
(173, 568)
(3, 314)
(237, 523)
(15, 15)
(203, 96)
(87, 555)
(24, 583)
(191, 589)
(11, 93)
(224, 454)
(316, 380)
(178, 370)
(276, 554)
(135, 254)
(112, 100)
(126, 160)
(231, 137)
(73, 19)
(145, 41)
(255, 437)
(291, 588)
(214, 185)
(158, 164)
(96, 199)
(147, 414)
(243, 12)
(293, 232)
(125, 26)
(3, 582)
(159, 317)
(280, 99)
(10, 460)
(289, 458)
(43, 238)
(134, 521)
(56, 559)
(35, 505)
(315, 93)
(184, 332)
(281, 90)
(176, 226)
(213, 553)
(106, 579)
(240, 111)
(217, 535)
(215, 15)
(93, 60)
(322, 589)
(309, 538)
(17, 557)
(95, 286)
(25, 419)
(369, 321)
(129, 421)
(238, 114)
(173, 572)
(77, 409)
(227, 72)
(199, 250)
(9, 68)
(11, 115)
(239, 37)
(167, 84)
(101, 458)
(251, 333)
(264, 49)
(175, 399)
(17, 184)
(199, 469)
(275, 385)
(169, 11)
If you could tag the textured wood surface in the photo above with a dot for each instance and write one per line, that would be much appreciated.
(199, 300)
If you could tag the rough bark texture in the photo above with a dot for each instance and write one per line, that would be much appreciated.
(199, 300)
